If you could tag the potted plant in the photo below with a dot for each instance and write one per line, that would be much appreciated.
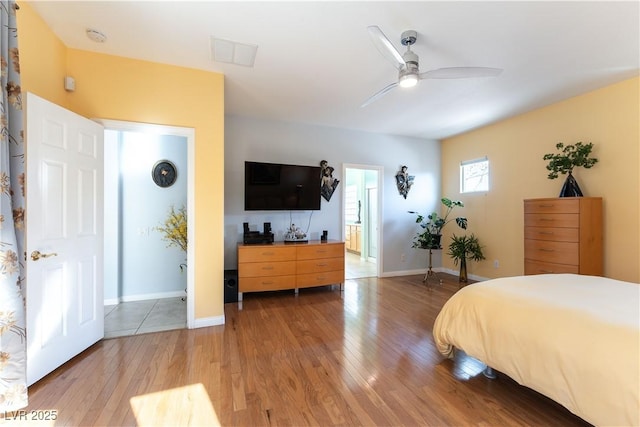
(462, 248)
(432, 225)
(569, 157)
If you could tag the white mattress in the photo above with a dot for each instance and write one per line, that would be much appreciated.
(575, 339)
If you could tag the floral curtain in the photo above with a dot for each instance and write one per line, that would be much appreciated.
(13, 385)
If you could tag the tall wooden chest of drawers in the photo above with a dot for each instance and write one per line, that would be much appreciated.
(563, 235)
(278, 266)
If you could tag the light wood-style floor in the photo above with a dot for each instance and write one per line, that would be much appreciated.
(361, 356)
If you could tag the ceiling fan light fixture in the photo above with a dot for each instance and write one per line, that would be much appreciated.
(408, 80)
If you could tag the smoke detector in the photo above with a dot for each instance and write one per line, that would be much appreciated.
(96, 35)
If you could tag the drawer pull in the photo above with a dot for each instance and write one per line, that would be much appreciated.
(546, 250)
(545, 232)
(321, 278)
(546, 219)
(267, 253)
(268, 267)
(321, 251)
(546, 271)
(550, 205)
(321, 264)
(267, 283)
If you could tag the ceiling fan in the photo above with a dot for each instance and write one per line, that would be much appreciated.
(407, 64)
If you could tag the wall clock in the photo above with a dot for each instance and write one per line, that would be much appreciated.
(164, 173)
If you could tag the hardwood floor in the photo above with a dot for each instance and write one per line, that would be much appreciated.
(361, 356)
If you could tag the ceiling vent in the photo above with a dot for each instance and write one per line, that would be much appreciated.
(232, 52)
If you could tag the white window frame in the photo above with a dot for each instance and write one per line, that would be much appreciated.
(477, 184)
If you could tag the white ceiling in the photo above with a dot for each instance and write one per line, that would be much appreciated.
(316, 64)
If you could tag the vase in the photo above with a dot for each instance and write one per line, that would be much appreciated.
(570, 187)
(463, 271)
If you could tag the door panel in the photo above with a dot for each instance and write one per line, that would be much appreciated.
(372, 224)
(65, 309)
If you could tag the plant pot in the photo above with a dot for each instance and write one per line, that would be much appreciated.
(570, 187)
(433, 243)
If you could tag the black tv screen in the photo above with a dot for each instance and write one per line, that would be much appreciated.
(275, 186)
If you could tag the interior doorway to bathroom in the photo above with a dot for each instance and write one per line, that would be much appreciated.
(361, 219)
(146, 262)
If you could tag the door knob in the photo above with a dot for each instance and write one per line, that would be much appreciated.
(36, 255)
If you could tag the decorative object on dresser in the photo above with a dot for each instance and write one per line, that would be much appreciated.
(563, 235)
(570, 156)
(295, 235)
(404, 181)
(463, 248)
(279, 266)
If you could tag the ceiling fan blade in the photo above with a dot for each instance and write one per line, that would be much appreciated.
(379, 94)
(460, 73)
(385, 47)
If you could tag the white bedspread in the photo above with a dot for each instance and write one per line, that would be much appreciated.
(575, 339)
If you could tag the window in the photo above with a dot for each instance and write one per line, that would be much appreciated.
(474, 175)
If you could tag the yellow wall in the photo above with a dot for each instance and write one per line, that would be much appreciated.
(111, 87)
(43, 57)
(608, 117)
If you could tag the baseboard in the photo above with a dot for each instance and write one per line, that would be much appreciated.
(205, 322)
(457, 273)
(143, 297)
(408, 272)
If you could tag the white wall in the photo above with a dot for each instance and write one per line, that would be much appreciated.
(294, 143)
(145, 267)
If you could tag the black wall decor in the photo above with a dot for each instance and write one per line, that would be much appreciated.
(329, 183)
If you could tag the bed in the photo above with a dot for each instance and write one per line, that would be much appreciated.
(573, 338)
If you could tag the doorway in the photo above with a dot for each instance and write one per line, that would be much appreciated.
(147, 280)
(361, 218)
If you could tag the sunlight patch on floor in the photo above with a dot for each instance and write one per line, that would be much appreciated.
(183, 406)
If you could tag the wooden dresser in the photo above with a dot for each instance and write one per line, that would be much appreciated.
(278, 266)
(563, 235)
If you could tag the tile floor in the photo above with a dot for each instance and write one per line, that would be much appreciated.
(356, 267)
(139, 317)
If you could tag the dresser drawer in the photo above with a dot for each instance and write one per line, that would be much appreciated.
(561, 205)
(257, 284)
(553, 234)
(319, 265)
(551, 220)
(535, 267)
(319, 279)
(554, 252)
(257, 269)
(266, 253)
(327, 250)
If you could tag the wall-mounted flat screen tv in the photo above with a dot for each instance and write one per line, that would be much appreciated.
(275, 187)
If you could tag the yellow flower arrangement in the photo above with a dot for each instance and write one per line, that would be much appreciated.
(175, 228)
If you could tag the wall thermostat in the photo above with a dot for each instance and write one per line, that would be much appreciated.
(69, 84)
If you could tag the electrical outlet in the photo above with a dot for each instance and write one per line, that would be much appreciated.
(496, 263)
(403, 258)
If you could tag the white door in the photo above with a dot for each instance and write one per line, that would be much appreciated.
(372, 223)
(64, 224)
